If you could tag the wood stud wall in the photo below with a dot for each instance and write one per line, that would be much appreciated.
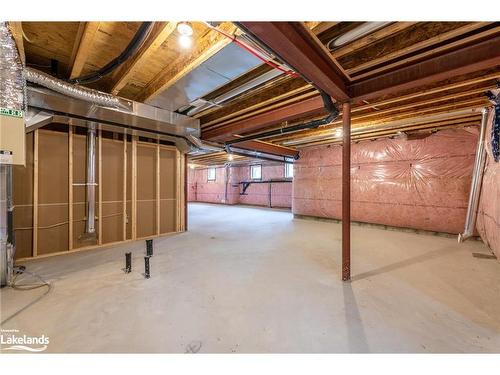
(55, 227)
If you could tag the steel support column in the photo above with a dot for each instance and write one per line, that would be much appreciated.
(346, 191)
(186, 166)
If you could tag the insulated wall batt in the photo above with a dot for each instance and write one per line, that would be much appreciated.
(202, 190)
(488, 217)
(420, 184)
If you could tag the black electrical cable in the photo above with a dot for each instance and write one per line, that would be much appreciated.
(136, 42)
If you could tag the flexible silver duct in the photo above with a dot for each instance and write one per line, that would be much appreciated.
(75, 91)
(11, 72)
(477, 178)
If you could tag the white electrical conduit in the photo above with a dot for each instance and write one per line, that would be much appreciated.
(477, 179)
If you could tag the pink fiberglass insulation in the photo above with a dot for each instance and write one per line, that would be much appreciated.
(202, 190)
(488, 217)
(421, 184)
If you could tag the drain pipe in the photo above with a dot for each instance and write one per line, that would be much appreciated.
(91, 184)
(477, 178)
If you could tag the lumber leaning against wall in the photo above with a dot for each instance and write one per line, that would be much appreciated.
(140, 192)
(420, 184)
(488, 218)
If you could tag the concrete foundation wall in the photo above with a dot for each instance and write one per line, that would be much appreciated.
(488, 218)
(259, 194)
(421, 184)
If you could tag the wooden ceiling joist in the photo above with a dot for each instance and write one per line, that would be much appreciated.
(298, 47)
(286, 113)
(83, 44)
(465, 60)
(161, 31)
(205, 47)
(268, 148)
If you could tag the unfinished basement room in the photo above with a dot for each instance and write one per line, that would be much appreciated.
(249, 186)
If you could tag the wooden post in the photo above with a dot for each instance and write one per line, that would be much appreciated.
(35, 195)
(70, 186)
(346, 191)
(158, 188)
(134, 187)
(99, 143)
(124, 187)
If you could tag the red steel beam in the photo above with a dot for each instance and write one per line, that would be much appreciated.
(299, 48)
(287, 113)
(465, 60)
(186, 166)
(346, 191)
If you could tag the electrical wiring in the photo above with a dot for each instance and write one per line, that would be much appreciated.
(25, 287)
(253, 51)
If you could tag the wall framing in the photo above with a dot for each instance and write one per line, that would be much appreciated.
(116, 156)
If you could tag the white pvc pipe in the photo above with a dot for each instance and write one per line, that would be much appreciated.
(477, 178)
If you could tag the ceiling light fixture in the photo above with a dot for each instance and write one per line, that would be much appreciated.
(185, 31)
(184, 28)
(360, 31)
(230, 157)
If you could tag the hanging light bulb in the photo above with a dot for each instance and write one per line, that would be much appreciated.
(184, 28)
(185, 31)
(230, 157)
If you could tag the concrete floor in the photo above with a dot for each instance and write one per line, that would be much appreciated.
(256, 280)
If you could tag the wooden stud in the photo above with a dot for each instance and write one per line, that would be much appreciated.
(124, 187)
(158, 188)
(99, 186)
(134, 187)
(35, 194)
(70, 187)
(83, 46)
(178, 194)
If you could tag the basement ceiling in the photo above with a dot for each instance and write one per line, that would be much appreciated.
(162, 65)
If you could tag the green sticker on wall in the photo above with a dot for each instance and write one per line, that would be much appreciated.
(11, 112)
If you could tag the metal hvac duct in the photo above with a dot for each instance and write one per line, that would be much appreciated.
(218, 70)
(477, 179)
(91, 184)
